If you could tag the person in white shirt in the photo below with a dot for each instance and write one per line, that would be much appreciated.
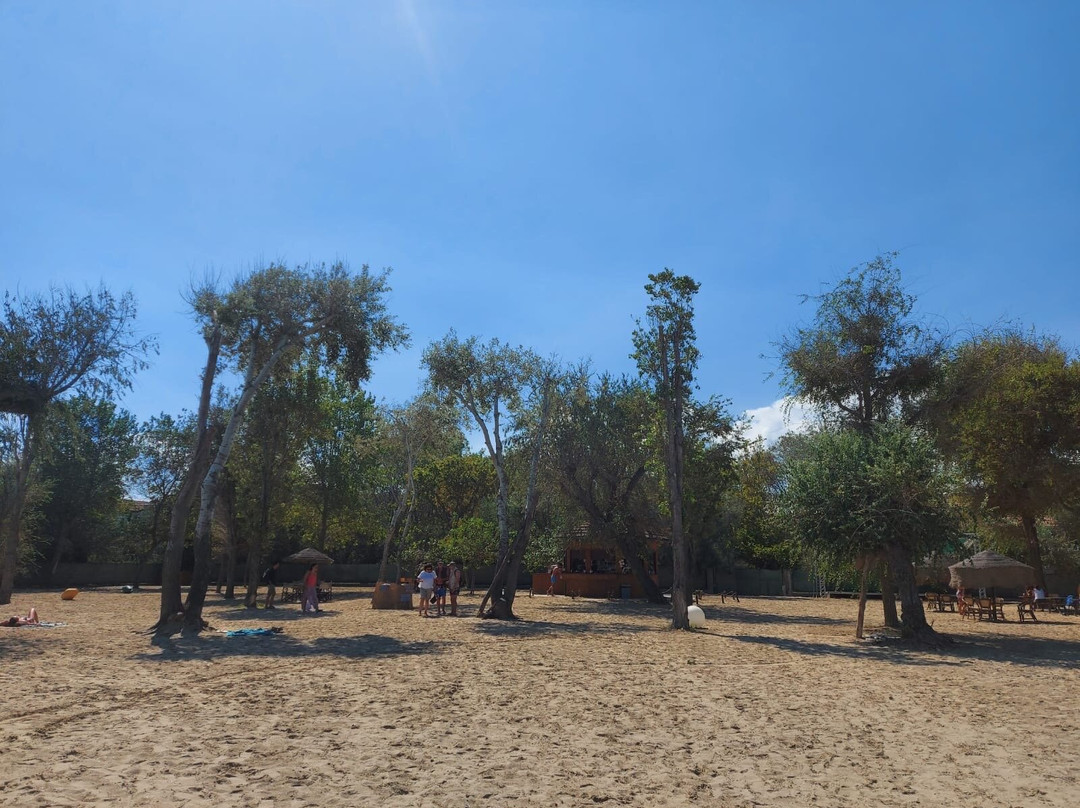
(425, 581)
(1040, 593)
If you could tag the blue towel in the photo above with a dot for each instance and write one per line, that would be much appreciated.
(253, 632)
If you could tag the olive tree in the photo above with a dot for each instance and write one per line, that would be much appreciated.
(850, 496)
(864, 359)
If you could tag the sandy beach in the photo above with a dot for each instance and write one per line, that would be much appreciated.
(581, 703)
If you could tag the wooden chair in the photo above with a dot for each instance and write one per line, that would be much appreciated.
(969, 608)
(1026, 609)
(946, 602)
(932, 601)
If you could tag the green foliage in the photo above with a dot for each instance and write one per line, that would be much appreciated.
(664, 347)
(851, 494)
(761, 535)
(472, 541)
(1008, 412)
(864, 358)
(67, 341)
(90, 446)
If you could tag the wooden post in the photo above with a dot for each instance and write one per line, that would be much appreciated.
(862, 598)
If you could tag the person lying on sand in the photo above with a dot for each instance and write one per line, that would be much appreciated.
(31, 619)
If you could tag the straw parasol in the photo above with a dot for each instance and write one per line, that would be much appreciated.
(309, 555)
(987, 570)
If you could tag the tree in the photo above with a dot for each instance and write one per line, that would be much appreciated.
(50, 345)
(1007, 410)
(162, 446)
(268, 315)
(864, 360)
(667, 356)
(332, 461)
(90, 446)
(406, 435)
(758, 534)
(270, 444)
(850, 496)
(504, 392)
(602, 446)
(712, 442)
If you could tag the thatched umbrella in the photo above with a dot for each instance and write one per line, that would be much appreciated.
(987, 570)
(309, 555)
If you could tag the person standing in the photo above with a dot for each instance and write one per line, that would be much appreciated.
(270, 579)
(311, 590)
(453, 585)
(425, 582)
(440, 588)
(556, 570)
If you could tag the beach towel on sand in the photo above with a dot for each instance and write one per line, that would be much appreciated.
(253, 632)
(42, 624)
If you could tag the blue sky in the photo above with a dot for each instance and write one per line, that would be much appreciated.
(524, 166)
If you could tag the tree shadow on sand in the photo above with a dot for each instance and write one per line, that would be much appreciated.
(629, 608)
(1035, 652)
(276, 615)
(740, 614)
(540, 628)
(210, 646)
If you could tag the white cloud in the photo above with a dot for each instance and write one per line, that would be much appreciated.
(777, 419)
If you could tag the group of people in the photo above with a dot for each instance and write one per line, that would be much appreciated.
(309, 603)
(435, 582)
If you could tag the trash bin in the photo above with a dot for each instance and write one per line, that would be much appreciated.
(385, 597)
(624, 591)
(405, 596)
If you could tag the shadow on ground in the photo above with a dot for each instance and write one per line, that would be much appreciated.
(209, 646)
(733, 611)
(276, 615)
(539, 628)
(1035, 652)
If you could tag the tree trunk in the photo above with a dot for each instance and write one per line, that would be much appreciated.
(12, 523)
(155, 523)
(251, 575)
(862, 603)
(913, 623)
(888, 595)
(637, 568)
(673, 451)
(395, 523)
(200, 576)
(1031, 535)
(171, 598)
(786, 587)
(503, 588)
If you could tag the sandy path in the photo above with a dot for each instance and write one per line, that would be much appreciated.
(582, 703)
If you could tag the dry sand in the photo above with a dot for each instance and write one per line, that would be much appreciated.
(582, 703)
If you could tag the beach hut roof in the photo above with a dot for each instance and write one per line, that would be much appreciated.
(989, 569)
(309, 555)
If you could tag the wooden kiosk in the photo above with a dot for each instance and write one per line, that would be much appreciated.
(595, 572)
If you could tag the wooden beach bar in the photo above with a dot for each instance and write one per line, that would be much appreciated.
(595, 572)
